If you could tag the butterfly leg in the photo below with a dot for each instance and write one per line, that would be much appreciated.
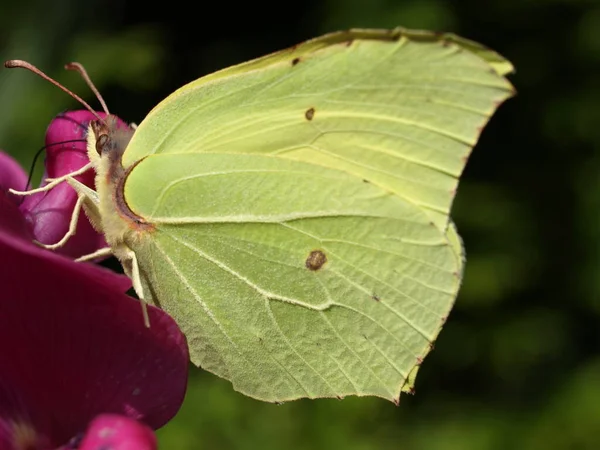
(85, 196)
(72, 226)
(53, 182)
(101, 253)
(136, 280)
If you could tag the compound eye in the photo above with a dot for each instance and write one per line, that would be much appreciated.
(101, 142)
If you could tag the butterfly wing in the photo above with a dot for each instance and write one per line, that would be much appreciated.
(300, 208)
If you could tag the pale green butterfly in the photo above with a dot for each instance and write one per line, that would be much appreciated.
(292, 212)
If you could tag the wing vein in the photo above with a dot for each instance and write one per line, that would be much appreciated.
(289, 344)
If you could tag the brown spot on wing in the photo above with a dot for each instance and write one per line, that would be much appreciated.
(295, 61)
(309, 114)
(315, 260)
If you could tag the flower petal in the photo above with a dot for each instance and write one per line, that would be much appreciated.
(112, 432)
(12, 176)
(12, 223)
(75, 346)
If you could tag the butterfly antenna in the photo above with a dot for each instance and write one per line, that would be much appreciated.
(14, 63)
(80, 69)
(37, 155)
(31, 169)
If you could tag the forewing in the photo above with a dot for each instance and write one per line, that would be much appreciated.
(401, 109)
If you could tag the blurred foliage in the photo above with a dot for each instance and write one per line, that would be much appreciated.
(517, 365)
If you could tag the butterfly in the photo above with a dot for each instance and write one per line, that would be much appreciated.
(292, 212)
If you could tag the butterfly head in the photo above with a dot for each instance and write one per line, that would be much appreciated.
(108, 138)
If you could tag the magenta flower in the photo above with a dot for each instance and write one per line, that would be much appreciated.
(75, 353)
(49, 213)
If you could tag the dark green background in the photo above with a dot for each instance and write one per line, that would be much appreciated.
(517, 365)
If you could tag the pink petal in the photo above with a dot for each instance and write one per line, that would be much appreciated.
(65, 157)
(12, 176)
(12, 223)
(49, 213)
(75, 346)
(112, 432)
